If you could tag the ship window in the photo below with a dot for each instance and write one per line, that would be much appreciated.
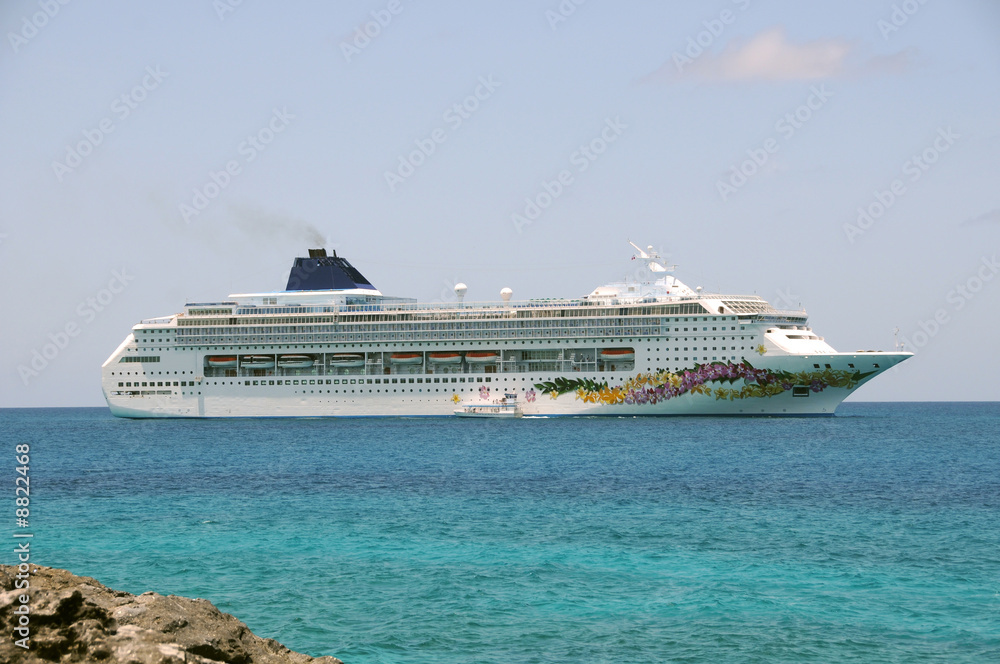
(816, 366)
(875, 365)
(850, 365)
(827, 366)
(800, 391)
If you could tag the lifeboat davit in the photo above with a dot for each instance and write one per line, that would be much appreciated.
(406, 358)
(445, 357)
(481, 356)
(618, 355)
(295, 361)
(257, 362)
(347, 360)
(222, 361)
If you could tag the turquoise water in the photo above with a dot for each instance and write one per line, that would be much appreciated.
(873, 536)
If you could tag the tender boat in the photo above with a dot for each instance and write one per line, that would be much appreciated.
(502, 408)
(295, 361)
(257, 362)
(347, 360)
(226, 361)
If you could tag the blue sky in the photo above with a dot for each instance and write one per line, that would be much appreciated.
(838, 155)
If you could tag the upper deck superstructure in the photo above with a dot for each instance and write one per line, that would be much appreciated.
(332, 344)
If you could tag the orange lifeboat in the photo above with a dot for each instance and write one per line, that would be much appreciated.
(618, 355)
(481, 356)
(446, 357)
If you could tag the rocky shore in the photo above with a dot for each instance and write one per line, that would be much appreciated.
(77, 619)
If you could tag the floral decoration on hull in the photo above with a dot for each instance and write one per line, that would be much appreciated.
(651, 388)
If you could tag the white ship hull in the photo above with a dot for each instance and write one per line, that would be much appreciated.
(319, 396)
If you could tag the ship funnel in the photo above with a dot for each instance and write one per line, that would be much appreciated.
(317, 253)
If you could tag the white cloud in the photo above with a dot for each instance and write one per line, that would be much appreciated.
(991, 217)
(770, 56)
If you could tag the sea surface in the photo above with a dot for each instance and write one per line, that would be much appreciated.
(872, 536)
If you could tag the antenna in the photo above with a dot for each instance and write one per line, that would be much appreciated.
(651, 257)
(460, 289)
(505, 294)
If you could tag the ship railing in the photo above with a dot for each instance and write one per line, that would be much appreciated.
(425, 306)
(543, 303)
(156, 321)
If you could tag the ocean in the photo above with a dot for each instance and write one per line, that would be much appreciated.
(872, 536)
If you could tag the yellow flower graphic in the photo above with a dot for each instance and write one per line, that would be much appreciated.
(456, 398)
(612, 395)
(760, 349)
(581, 393)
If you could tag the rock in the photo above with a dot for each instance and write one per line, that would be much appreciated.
(76, 619)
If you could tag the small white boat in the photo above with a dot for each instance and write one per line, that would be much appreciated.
(295, 361)
(347, 360)
(501, 408)
(406, 358)
(257, 362)
(222, 361)
(445, 358)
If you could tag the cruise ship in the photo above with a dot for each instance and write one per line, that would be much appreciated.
(331, 345)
